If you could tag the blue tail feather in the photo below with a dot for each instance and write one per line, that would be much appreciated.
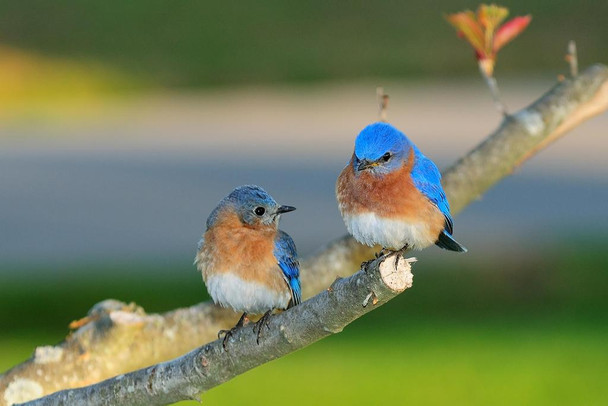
(447, 242)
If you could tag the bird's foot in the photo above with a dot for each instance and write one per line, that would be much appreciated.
(400, 255)
(380, 254)
(404, 249)
(384, 252)
(364, 264)
(264, 321)
(228, 333)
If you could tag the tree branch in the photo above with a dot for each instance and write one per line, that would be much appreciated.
(116, 338)
(208, 366)
(523, 134)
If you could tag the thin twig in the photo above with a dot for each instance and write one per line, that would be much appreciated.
(526, 132)
(493, 85)
(382, 104)
(572, 58)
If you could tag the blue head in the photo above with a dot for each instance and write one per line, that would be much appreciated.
(252, 204)
(380, 148)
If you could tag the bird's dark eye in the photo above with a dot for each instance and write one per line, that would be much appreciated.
(386, 157)
(259, 211)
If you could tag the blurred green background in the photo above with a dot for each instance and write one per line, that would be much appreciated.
(206, 43)
(84, 165)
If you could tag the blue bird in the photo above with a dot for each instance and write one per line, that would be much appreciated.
(248, 264)
(390, 194)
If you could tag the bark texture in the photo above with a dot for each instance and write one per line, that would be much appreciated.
(116, 338)
(208, 366)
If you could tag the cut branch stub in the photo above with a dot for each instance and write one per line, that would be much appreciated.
(394, 273)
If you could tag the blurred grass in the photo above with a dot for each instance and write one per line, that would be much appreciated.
(436, 364)
(544, 362)
(208, 43)
(511, 330)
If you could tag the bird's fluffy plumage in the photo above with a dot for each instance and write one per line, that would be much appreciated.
(247, 263)
(397, 199)
(377, 139)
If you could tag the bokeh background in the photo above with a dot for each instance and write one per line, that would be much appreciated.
(123, 123)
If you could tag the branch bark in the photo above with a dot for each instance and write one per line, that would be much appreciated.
(208, 366)
(523, 134)
(116, 338)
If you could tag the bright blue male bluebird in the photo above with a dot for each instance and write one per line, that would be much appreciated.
(390, 194)
(248, 264)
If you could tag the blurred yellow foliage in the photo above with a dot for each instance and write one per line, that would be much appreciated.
(33, 85)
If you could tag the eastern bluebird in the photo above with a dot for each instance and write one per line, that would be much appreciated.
(248, 264)
(390, 194)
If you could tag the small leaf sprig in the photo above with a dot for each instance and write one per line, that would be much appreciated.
(483, 30)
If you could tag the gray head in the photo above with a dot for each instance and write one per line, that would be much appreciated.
(380, 148)
(252, 204)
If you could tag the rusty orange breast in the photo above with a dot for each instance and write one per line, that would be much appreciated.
(393, 195)
(247, 252)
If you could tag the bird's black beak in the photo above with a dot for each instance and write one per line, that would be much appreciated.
(364, 164)
(285, 209)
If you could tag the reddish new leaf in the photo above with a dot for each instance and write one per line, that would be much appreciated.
(510, 30)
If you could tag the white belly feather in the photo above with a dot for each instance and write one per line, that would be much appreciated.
(370, 229)
(228, 290)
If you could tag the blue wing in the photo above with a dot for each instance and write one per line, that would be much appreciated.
(287, 257)
(427, 179)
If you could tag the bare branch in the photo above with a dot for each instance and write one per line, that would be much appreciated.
(382, 104)
(493, 86)
(208, 366)
(523, 134)
(117, 338)
(572, 58)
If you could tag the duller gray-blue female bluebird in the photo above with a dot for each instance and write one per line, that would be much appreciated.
(247, 263)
